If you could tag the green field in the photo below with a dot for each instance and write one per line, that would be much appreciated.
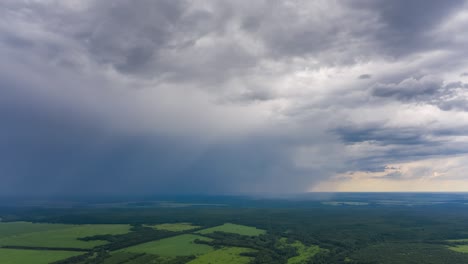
(304, 252)
(176, 227)
(127, 258)
(229, 255)
(19, 256)
(60, 236)
(18, 228)
(235, 229)
(182, 245)
(460, 248)
(141, 258)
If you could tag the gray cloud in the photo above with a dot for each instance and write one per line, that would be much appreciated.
(224, 97)
(408, 89)
(364, 76)
(428, 90)
(405, 27)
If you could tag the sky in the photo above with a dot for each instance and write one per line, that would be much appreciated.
(232, 97)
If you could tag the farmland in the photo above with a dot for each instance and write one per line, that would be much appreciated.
(61, 236)
(141, 258)
(263, 232)
(191, 247)
(235, 229)
(16, 256)
(181, 245)
(230, 255)
(18, 228)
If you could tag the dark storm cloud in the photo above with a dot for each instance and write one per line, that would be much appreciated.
(161, 39)
(224, 96)
(408, 89)
(379, 135)
(364, 76)
(427, 90)
(130, 34)
(406, 24)
(56, 153)
(400, 144)
(406, 140)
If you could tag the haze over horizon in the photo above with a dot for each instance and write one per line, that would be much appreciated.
(259, 97)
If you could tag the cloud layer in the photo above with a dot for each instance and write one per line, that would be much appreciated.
(181, 96)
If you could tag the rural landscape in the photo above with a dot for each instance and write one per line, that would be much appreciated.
(233, 132)
(341, 228)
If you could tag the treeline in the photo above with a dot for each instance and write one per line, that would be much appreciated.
(266, 246)
(138, 234)
(104, 257)
(46, 248)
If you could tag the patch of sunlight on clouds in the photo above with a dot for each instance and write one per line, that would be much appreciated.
(429, 175)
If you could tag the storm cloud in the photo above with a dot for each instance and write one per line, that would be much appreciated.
(179, 96)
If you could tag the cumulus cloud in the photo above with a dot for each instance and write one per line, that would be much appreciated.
(228, 97)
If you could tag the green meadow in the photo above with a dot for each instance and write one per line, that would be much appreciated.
(20, 256)
(18, 228)
(176, 248)
(181, 245)
(235, 229)
(228, 255)
(305, 253)
(58, 236)
(139, 258)
(459, 245)
(460, 248)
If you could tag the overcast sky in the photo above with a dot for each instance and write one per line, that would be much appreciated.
(209, 96)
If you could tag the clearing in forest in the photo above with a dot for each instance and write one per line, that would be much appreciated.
(182, 245)
(461, 246)
(304, 252)
(228, 255)
(233, 228)
(175, 227)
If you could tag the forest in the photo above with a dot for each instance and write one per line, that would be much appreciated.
(410, 230)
